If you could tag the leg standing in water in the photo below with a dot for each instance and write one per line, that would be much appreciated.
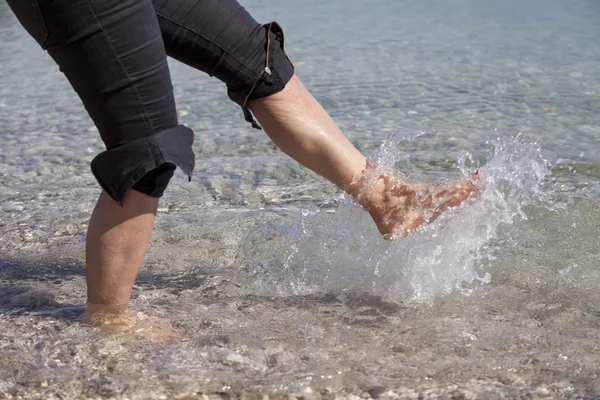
(112, 53)
(114, 56)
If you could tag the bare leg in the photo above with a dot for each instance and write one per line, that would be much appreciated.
(300, 127)
(116, 244)
(303, 130)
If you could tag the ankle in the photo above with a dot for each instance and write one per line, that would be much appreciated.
(375, 191)
(107, 309)
(366, 186)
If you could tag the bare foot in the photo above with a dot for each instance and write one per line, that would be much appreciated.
(121, 319)
(398, 207)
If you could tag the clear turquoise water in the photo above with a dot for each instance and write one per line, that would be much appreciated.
(278, 283)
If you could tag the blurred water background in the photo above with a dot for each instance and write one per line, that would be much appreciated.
(280, 285)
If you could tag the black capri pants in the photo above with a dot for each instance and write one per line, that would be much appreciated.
(113, 52)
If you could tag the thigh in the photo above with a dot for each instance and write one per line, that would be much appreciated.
(222, 39)
(112, 53)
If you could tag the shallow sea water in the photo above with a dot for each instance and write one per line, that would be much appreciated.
(279, 285)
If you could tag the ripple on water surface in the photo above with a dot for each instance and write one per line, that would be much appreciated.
(282, 301)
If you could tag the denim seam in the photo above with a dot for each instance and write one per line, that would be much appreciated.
(144, 113)
(207, 39)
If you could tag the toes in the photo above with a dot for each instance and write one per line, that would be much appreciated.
(454, 195)
(405, 207)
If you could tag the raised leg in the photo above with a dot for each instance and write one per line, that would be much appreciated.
(233, 47)
(300, 127)
(303, 130)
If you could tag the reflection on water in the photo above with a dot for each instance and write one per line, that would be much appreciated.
(281, 286)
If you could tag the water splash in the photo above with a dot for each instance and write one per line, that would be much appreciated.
(342, 250)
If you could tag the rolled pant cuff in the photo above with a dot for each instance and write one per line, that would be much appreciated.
(117, 170)
(272, 78)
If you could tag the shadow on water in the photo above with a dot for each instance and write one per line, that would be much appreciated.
(19, 300)
(39, 270)
(26, 287)
(56, 289)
